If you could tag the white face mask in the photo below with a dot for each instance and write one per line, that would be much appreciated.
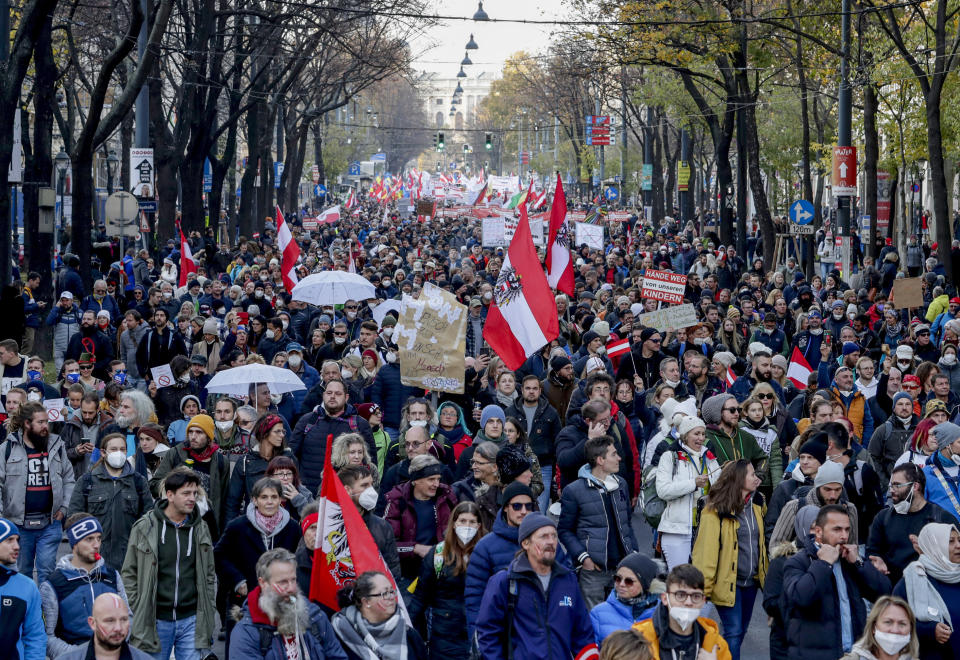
(671, 383)
(339, 340)
(351, 315)
(903, 365)
(224, 426)
(684, 616)
(268, 334)
(368, 498)
(294, 361)
(949, 359)
(346, 373)
(285, 324)
(185, 378)
(386, 283)
(167, 295)
(891, 642)
(275, 399)
(602, 350)
(116, 459)
(33, 396)
(391, 357)
(258, 293)
(488, 296)
(903, 506)
(418, 423)
(388, 332)
(465, 533)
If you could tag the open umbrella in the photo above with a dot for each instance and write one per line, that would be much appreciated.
(333, 287)
(236, 381)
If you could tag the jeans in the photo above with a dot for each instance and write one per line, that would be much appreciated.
(40, 545)
(546, 471)
(177, 636)
(736, 619)
(595, 586)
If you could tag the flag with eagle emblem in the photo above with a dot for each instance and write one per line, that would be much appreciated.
(559, 259)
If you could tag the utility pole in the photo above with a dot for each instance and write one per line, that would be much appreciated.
(600, 154)
(741, 225)
(844, 117)
(648, 160)
(686, 154)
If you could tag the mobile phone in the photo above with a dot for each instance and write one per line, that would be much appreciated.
(829, 339)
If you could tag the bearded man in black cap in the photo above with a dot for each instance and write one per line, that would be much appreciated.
(559, 384)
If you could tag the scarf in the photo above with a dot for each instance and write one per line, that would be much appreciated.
(934, 562)
(371, 641)
(267, 524)
(205, 455)
(506, 400)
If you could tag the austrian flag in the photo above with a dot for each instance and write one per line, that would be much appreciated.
(617, 347)
(799, 370)
(289, 251)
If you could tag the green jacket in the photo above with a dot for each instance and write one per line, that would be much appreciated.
(219, 481)
(731, 448)
(140, 580)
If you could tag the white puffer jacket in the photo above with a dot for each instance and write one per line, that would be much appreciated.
(678, 487)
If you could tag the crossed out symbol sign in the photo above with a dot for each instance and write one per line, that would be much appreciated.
(53, 415)
(163, 381)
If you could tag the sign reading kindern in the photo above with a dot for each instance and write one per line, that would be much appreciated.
(663, 285)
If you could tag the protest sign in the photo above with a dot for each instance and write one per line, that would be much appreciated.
(502, 183)
(432, 337)
(907, 292)
(663, 285)
(54, 408)
(493, 232)
(592, 235)
(670, 318)
(162, 375)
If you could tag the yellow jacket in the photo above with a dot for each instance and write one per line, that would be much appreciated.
(938, 306)
(716, 551)
(711, 639)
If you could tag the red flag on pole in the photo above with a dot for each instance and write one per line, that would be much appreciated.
(799, 369)
(290, 252)
(188, 265)
(559, 259)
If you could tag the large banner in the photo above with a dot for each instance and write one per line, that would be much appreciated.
(432, 336)
(669, 318)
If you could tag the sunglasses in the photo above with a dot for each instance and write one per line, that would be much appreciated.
(625, 581)
(765, 396)
(520, 506)
(86, 367)
(731, 410)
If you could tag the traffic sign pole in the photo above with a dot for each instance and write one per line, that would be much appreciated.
(844, 112)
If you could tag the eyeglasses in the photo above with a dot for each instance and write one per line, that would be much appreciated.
(731, 410)
(476, 463)
(625, 581)
(283, 474)
(413, 444)
(520, 506)
(765, 396)
(893, 485)
(692, 596)
(389, 594)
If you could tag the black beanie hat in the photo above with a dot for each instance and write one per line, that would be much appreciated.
(644, 567)
(816, 448)
(558, 362)
(511, 463)
(514, 489)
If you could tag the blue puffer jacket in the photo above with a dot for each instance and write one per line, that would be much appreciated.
(612, 615)
(935, 491)
(545, 626)
(585, 526)
(390, 394)
(21, 621)
(493, 553)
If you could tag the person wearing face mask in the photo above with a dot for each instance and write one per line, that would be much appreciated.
(115, 494)
(824, 586)
(942, 470)
(358, 481)
(91, 340)
(593, 346)
(274, 341)
(304, 372)
(861, 483)
(391, 394)
(441, 583)
(888, 440)
(949, 365)
(167, 399)
(537, 599)
(269, 442)
(890, 633)
(210, 345)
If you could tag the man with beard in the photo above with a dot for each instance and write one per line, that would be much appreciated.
(724, 436)
(808, 341)
(698, 382)
(854, 404)
(542, 426)
(135, 410)
(36, 482)
(278, 621)
(759, 373)
(559, 385)
(91, 339)
(537, 600)
(646, 358)
(203, 456)
(159, 345)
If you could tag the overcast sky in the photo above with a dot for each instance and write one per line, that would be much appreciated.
(440, 48)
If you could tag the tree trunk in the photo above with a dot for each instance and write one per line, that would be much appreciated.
(767, 229)
(871, 154)
(938, 182)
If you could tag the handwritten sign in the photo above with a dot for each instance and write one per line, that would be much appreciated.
(54, 408)
(591, 235)
(670, 318)
(432, 335)
(663, 285)
(907, 292)
(162, 375)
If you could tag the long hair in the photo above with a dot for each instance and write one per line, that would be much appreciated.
(869, 642)
(455, 553)
(103, 447)
(24, 414)
(726, 495)
(340, 454)
(146, 412)
(921, 434)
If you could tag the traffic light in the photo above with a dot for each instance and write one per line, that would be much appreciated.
(488, 144)
(440, 144)
(466, 149)
(434, 141)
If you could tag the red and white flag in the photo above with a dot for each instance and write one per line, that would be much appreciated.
(290, 252)
(345, 547)
(329, 216)
(731, 377)
(351, 201)
(523, 317)
(615, 348)
(799, 370)
(187, 264)
(559, 260)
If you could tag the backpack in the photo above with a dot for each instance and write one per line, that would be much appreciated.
(650, 502)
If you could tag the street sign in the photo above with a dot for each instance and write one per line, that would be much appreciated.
(277, 173)
(320, 189)
(646, 177)
(207, 176)
(844, 171)
(611, 194)
(379, 158)
(148, 205)
(801, 212)
(141, 172)
(801, 230)
(353, 170)
(121, 210)
(315, 171)
(683, 176)
(915, 187)
(15, 171)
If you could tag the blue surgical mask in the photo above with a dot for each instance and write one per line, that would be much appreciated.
(73, 378)
(34, 375)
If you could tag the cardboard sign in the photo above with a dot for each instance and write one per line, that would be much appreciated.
(162, 375)
(54, 408)
(663, 285)
(432, 335)
(670, 318)
(907, 292)
(493, 232)
(591, 235)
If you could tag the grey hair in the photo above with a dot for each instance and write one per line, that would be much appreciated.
(249, 411)
(422, 461)
(270, 557)
(488, 450)
(141, 403)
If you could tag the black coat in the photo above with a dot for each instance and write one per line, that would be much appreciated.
(812, 606)
(248, 470)
(543, 433)
(240, 547)
(442, 592)
(309, 441)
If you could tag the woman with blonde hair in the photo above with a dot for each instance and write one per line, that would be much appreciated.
(351, 449)
(889, 634)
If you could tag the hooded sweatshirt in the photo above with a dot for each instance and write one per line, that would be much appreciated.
(177, 570)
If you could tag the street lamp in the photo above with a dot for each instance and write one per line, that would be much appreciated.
(458, 90)
(113, 163)
(480, 15)
(472, 45)
(462, 73)
(62, 162)
(466, 60)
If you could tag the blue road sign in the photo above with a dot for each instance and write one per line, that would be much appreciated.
(277, 173)
(611, 194)
(319, 189)
(801, 212)
(354, 169)
(207, 176)
(379, 157)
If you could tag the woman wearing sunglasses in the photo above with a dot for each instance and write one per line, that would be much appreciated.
(634, 597)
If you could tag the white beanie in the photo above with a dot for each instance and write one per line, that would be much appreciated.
(688, 424)
(687, 407)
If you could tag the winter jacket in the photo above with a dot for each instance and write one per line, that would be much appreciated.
(129, 342)
(887, 444)
(570, 451)
(938, 306)
(442, 592)
(740, 445)
(82, 653)
(167, 402)
(546, 426)
(612, 615)
(155, 350)
(716, 552)
(783, 529)
(942, 489)
(657, 626)
(309, 440)
(13, 477)
(65, 323)
(72, 435)
(676, 485)
(310, 378)
(22, 634)
(585, 526)
(544, 626)
(890, 535)
(219, 482)
(247, 471)
(773, 603)
(142, 581)
(116, 502)
(403, 518)
(856, 410)
(383, 536)
(108, 303)
(67, 596)
(558, 395)
(82, 341)
(390, 394)
(812, 605)
(255, 628)
(242, 543)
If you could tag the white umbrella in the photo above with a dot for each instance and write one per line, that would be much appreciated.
(333, 287)
(236, 381)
